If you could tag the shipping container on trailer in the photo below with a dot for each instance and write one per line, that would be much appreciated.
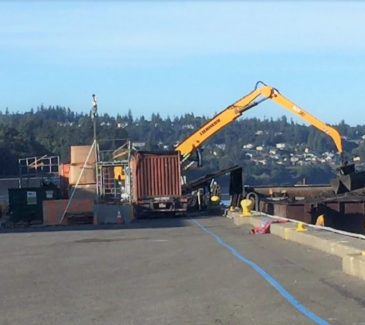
(156, 179)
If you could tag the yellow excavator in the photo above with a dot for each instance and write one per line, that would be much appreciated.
(348, 179)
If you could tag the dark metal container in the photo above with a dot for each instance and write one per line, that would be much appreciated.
(307, 191)
(344, 215)
(25, 204)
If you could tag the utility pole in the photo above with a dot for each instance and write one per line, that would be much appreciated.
(94, 113)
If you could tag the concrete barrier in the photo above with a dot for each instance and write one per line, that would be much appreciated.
(107, 213)
(354, 264)
(351, 250)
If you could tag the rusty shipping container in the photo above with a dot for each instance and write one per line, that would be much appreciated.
(53, 209)
(156, 174)
(156, 179)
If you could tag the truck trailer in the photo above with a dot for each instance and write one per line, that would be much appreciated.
(156, 179)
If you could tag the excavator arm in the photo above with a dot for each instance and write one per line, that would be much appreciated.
(232, 112)
(300, 112)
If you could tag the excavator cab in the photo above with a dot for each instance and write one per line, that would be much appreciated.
(193, 161)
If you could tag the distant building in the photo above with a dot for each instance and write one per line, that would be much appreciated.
(309, 155)
(259, 161)
(121, 125)
(221, 146)
(188, 126)
(138, 144)
(248, 146)
(281, 146)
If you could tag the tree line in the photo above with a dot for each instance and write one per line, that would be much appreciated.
(52, 130)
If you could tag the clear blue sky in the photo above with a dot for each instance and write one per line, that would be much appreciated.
(178, 57)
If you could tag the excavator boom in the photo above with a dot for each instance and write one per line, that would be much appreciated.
(214, 125)
(300, 112)
(232, 112)
(348, 179)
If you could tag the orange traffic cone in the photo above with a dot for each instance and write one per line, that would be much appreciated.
(119, 218)
(320, 220)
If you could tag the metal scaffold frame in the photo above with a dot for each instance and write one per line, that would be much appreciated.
(113, 174)
(45, 167)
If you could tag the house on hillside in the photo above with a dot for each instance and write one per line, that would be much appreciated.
(261, 161)
(247, 146)
(122, 125)
(138, 145)
(221, 146)
(188, 127)
(280, 146)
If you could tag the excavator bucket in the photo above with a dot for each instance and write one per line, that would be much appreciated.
(348, 180)
(338, 186)
(353, 181)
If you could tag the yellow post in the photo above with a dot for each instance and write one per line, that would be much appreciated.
(301, 227)
(215, 198)
(246, 205)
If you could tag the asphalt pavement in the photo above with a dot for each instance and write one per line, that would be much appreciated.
(171, 271)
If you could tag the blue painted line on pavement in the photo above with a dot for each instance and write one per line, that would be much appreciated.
(267, 277)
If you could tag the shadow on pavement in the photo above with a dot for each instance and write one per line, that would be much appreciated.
(144, 223)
